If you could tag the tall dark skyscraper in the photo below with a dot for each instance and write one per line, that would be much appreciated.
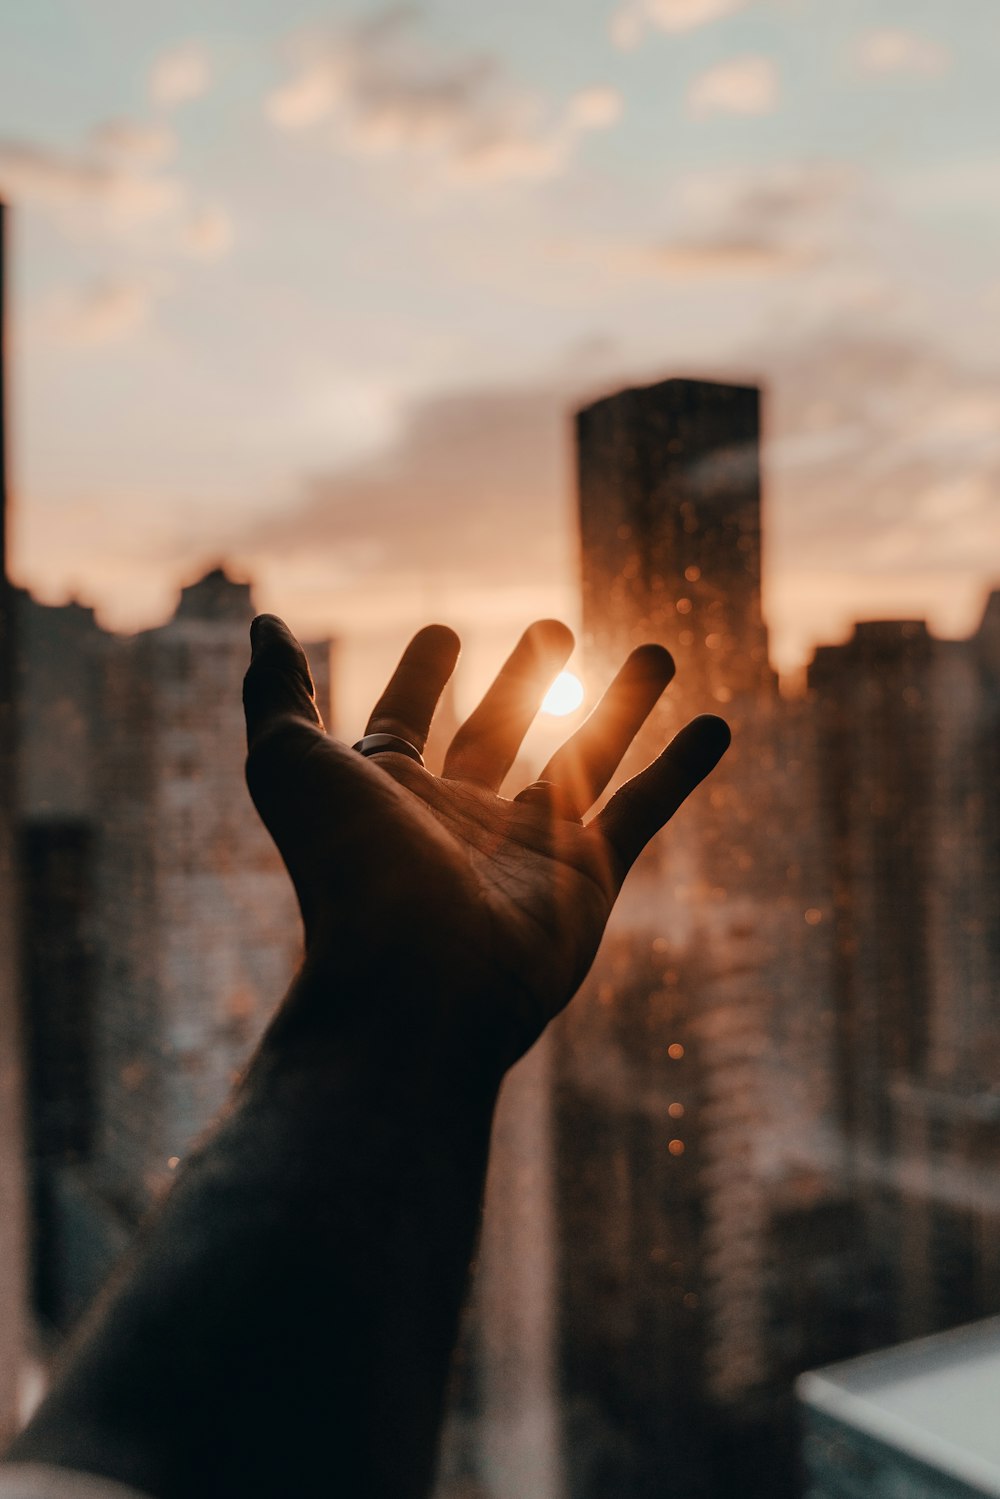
(676, 1104)
(670, 526)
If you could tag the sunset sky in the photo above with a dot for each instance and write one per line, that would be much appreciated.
(314, 289)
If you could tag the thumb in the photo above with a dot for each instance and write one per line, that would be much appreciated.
(278, 686)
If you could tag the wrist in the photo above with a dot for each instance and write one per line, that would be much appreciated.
(430, 1044)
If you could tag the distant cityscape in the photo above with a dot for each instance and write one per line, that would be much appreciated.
(764, 1137)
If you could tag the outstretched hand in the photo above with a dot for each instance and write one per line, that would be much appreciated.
(299, 1293)
(438, 914)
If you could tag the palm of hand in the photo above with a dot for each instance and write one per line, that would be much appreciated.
(439, 883)
(506, 886)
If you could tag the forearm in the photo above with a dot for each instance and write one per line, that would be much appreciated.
(286, 1324)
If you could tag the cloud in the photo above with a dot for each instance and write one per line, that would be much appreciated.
(742, 86)
(754, 223)
(181, 74)
(124, 194)
(882, 477)
(135, 141)
(106, 312)
(632, 18)
(375, 88)
(207, 234)
(595, 108)
(896, 51)
(690, 259)
(469, 496)
(116, 190)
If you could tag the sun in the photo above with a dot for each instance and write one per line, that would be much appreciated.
(564, 696)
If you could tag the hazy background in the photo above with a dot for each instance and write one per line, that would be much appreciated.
(314, 287)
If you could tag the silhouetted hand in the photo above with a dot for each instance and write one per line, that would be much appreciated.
(439, 914)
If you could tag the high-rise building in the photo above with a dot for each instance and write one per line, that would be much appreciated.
(907, 750)
(691, 1073)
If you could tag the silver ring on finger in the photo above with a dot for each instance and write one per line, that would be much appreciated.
(381, 744)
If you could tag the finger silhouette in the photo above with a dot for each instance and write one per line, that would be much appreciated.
(642, 806)
(584, 765)
(407, 705)
(486, 745)
(278, 683)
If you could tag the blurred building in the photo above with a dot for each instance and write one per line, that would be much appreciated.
(908, 753)
(162, 927)
(693, 1073)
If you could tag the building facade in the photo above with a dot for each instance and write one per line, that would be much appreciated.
(907, 741)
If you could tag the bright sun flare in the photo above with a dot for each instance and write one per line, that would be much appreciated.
(565, 695)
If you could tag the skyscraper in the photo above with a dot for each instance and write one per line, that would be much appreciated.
(676, 1066)
(910, 816)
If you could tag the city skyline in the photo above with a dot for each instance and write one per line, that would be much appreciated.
(754, 1078)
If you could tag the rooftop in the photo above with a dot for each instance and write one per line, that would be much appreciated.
(935, 1399)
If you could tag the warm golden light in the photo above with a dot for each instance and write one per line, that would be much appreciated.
(564, 696)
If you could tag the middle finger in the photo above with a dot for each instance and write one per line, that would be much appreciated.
(486, 745)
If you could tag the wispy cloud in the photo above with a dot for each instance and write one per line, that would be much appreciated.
(207, 233)
(741, 86)
(116, 190)
(698, 260)
(884, 470)
(179, 75)
(890, 51)
(105, 312)
(483, 472)
(594, 108)
(765, 223)
(123, 193)
(634, 17)
(136, 141)
(377, 88)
